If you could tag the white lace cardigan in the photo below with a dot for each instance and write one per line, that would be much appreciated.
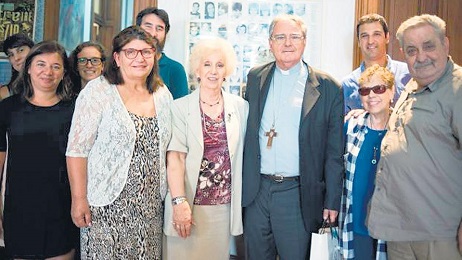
(103, 132)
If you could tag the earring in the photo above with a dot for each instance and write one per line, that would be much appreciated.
(224, 79)
(198, 79)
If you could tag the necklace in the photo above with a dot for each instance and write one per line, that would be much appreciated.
(376, 148)
(372, 125)
(374, 159)
(208, 104)
(280, 100)
(214, 125)
(272, 132)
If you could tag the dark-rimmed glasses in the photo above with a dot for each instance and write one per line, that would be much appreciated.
(94, 61)
(281, 38)
(378, 89)
(131, 53)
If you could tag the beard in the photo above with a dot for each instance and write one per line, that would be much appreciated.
(159, 44)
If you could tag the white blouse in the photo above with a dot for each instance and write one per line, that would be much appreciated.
(103, 132)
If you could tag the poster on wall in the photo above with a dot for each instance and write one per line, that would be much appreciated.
(72, 19)
(16, 16)
(245, 24)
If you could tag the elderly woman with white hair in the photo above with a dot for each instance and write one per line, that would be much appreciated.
(204, 160)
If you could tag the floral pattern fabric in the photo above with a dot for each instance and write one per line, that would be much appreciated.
(214, 183)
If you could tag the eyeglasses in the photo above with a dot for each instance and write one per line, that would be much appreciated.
(147, 53)
(281, 38)
(378, 89)
(94, 61)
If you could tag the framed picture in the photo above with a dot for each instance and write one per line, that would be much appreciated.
(17, 16)
(72, 23)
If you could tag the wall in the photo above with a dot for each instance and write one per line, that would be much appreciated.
(337, 38)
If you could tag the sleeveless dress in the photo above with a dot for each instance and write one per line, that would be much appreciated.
(131, 227)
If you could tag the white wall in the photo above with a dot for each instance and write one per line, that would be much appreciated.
(337, 38)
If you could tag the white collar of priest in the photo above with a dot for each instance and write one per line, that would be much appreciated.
(294, 70)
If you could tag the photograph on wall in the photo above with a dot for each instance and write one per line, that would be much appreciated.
(16, 16)
(245, 24)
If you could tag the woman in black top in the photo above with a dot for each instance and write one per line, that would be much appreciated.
(34, 125)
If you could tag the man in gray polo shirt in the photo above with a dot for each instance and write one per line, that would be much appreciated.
(417, 202)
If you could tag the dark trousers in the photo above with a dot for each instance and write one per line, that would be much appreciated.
(273, 223)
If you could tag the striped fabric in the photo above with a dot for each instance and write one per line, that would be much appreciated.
(356, 132)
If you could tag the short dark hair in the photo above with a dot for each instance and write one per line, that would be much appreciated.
(237, 6)
(161, 13)
(17, 40)
(372, 18)
(23, 85)
(112, 71)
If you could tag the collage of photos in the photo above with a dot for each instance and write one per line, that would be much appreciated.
(245, 24)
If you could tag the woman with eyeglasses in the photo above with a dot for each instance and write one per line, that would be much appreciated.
(16, 48)
(116, 153)
(87, 62)
(364, 136)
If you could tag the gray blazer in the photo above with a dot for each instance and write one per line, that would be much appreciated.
(187, 137)
(321, 144)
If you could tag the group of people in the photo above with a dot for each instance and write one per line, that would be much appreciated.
(402, 190)
(115, 160)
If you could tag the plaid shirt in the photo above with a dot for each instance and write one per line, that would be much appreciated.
(356, 132)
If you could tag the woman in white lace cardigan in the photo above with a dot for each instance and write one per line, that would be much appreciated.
(116, 153)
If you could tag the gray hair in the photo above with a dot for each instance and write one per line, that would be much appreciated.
(288, 17)
(207, 45)
(438, 24)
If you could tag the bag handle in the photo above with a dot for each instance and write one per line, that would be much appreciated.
(326, 223)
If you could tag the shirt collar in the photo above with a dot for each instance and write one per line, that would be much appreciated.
(294, 70)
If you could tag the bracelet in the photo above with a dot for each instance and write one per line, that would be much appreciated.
(178, 200)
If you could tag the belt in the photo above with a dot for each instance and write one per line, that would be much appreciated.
(280, 178)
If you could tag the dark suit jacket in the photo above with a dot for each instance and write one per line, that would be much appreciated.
(321, 144)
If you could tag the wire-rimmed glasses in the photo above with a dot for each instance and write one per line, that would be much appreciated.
(282, 38)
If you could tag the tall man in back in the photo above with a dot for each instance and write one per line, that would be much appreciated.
(417, 202)
(293, 164)
(155, 21)
(373, 37)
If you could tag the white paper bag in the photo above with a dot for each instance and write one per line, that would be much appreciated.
(325, 245)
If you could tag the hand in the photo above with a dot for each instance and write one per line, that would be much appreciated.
(331, 214)
(182, 219)
(355, 113)
(80, 212)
